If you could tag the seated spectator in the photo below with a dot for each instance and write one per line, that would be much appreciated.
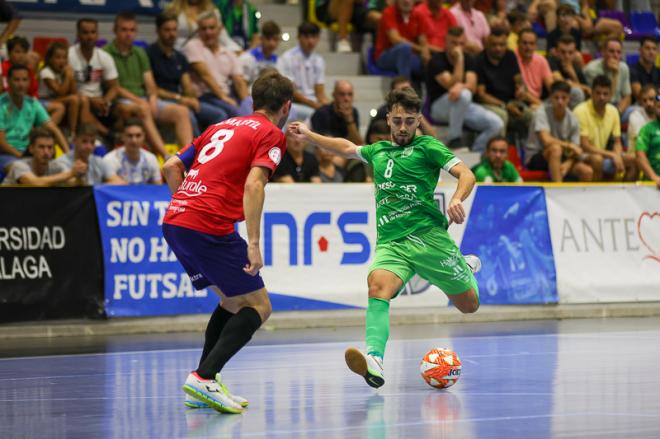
(451, 83)
(517, 22)
(264, 54)
(617, 71)
(566, 26)
(328, 170)
(298, 165)
(98, 171)
(131, 162)
(345, 12)
(138, 92)
(171, 72)
(534, 68)
(96, 76)
(602, 28)
(401, 42)
(642, 115)
(600, 133)
(554, 139)
(565, 68)
(40, 169)
(307, 71)
(19, 113)
(474, 23)
(648, 147)
(339, 118)
(500, 86)
(397, 83)
(187, 13)
(58, 84)
(9, 15)
(438, 22)
(644, 71)
(216, 71)
(241, 19)
(495, 168)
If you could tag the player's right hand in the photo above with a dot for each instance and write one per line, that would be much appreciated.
(298, 128)
(254, 256)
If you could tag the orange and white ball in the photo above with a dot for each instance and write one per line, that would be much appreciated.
(440, 368)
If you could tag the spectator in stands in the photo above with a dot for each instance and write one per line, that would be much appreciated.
(603, 28)
(328, 170)
(438, 22)
(216, 72)
(98, 171)
(534, 68)
(9, 15)
(401, 42)
(500, 86)
(495, 168)
(132, 162)
(58, 84)
(397, 83)
(344, 13)
(298, 165)
(566, 25)
(617, 71)
(241, 19)
(451, 83)
(644, 71)
(172, 75)
(187, 13)
(263, 55)
(138, 90)
(95, 74)
(307, 71)
(39, 169)
(600, 133)
(565, 68)
(517, 21)
(339, 118)
(474, 23)
(642, 115)
(554, 139)
(648, 147)
(19, 113)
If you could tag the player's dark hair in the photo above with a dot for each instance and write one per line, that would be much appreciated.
(86, 20)
(566, 39)
(648, 38)
(163, 18)
(15, 68)
(18, 41)
(133, 122)
(270, 29)
(601, 81)
(270, 91)
(405, 97)
(40, 133)
(560, 86)
(308, 28)
(498, 138)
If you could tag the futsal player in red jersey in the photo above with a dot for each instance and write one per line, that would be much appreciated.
(217, 181)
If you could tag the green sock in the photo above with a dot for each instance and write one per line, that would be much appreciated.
(377, 326)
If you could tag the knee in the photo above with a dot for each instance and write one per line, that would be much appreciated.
(469, 306)
(554, 151)
(585, 173)
(466, 96)
(378, 290)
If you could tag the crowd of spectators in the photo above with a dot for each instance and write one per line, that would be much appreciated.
(571, 107)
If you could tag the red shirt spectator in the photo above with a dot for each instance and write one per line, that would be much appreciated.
(392, 19)
(33, 89)
(438, 21)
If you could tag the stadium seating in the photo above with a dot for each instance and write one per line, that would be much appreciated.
(644, 24)
(526, 174)
(372, 68)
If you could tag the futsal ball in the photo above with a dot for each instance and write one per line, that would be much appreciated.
(440, 368)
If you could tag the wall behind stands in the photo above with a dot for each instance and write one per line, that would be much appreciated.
(147, 7)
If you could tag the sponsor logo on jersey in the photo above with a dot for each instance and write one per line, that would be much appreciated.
(191, 186)
(275, 154)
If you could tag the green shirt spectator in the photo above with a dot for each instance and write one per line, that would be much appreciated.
(240, 20)
(484, 173)
(18, 122)
(131, 67)
(648, 142)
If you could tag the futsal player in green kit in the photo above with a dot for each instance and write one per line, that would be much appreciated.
(412, 232)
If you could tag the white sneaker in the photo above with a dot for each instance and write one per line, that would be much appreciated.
(344, 46)
(473, 262)
(211, 392)
(369, 367)
(237, 399)
(193, 403)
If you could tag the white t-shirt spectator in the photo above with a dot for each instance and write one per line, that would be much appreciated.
(98, 171)
(637, 120)
(144, 171)
(222, 64)
(304, 71)
(24, 166)
(90, 75)
(44, 91)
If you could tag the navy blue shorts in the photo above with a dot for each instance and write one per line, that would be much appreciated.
(213, 260)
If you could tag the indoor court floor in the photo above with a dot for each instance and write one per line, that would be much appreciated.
(545, 379)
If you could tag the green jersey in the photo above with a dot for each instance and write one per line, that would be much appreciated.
(405, 180)
(648, 141)
(484, 172)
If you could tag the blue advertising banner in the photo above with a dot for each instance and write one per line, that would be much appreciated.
(142, 275)
(508, 229)
(146, 7)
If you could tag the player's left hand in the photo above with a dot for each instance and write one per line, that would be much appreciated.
(254, 256)
(455, 211)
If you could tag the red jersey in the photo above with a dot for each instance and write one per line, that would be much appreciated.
(210, 198)
(392, 19)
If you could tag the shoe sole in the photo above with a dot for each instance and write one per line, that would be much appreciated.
(357, 363)
(203, 405)
(210, 401)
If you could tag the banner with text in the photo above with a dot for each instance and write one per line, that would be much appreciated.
(49, 254)
(606, 242)
(146, 7)
(142, 275)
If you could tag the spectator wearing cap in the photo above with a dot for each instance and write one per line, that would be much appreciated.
(617, 71)
(648, 147)
(644, 71)
(565, 68)
(495, 168)
(642, 114)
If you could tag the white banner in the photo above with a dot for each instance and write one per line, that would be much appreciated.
(606, 242)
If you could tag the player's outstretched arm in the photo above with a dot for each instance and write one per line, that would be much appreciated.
(466, 181)
(337, 145)
(173, 170)
(253, 205)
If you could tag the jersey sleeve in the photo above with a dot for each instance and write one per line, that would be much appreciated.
(187, 154)
(270, 150)
(440, 154)
(365, 153)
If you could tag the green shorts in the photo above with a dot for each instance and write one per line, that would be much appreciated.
(432, 254)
